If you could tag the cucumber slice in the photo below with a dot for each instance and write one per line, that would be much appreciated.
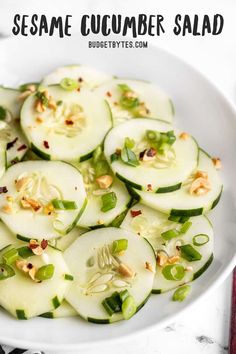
(9, 100)
(67, 132)
(151, 223)
(157, 102)
(181, 202)
(16, 145)
(86, 76)
(62, 243)
(92, 248)
(64, 310)
(32, 185)
(24, 298)
(166, 176)
(93, 216)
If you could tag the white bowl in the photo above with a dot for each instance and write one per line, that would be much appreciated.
(201, 109)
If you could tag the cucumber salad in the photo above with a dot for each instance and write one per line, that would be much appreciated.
(103, 200)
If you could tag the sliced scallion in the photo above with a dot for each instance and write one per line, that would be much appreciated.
(25, 252)
(189, 253)
(45, 272)
(129, 143)
(169, 234)
(109, 201)
(119, 245)
(64, 204)
(153, 135)
(10, 256)
(112, 303)
(185, 227)
(69, 84)
(173, 272)
(129, 157)
(181, 293)
(174, 218)
(68, 277)
(6, 271)
(114, 157)
(124, 294)
(101, 168)
(128, 307)
(200, 239)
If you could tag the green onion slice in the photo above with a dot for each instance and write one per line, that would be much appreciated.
(181, 293)
(200, 239)
(10, 256)
(129, 157)
(6, 271)
(123, 295)
(69, 84)
(114, 157)
(128, 307)
(112, 303)
(64, 204)
(25, 252)
(185, 227)
(119, 245)
(173, 272)
(189, 253)
(109, 201)
(45, 272)
(169, 234)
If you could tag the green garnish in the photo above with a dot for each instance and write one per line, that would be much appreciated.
(185, 227)
(25, 252)
(119, 245)
(181, 293)
(200, 239)
(189, 253)
(169, 234)
(69, 84)
(109, 201)
(112, 303)
(160, 141)
(6, 271)
(59, 103)
(114, 157)
(64, 204)
(100, 164)
(174, 218)
(129, 99)
(127, 155)
(68, 277)
(3, 113)
(173, 272)
(120, 302)
(56, 303)
(10, 256)
(128, 307)
(45, 272)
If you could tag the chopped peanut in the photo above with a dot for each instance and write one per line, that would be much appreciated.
(39, 120)
(39, 106)
(30, 203)
(9, 198)
(217, 163)
(126, 271)
(202, 174)
(173, 259)
(26, 268)
(52, 104)
(162, 258)
(105, 181)
(7, 209)
(200, 186)
(21, 183)
(35, 248)
(147, 155)
(184, 136)
(149, 267)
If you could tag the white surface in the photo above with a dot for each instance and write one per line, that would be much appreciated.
(215, 57)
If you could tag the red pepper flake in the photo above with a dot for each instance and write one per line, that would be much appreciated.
(11, 143)
(45, 144)
(29, 265)
(135, 213)
(22, 147)
(44, 244)
(78, 89)
(69, 122)
(80, 79)
(151, 152)
(32, 246)
(3, 189)
(108, 94)
(149, 187)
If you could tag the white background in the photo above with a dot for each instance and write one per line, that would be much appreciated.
(216, 58)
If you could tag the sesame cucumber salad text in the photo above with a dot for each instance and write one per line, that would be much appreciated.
(103, 200)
